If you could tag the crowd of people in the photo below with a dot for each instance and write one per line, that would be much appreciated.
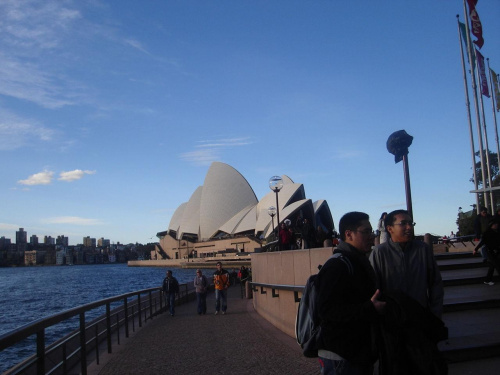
(221, 279)
(379, 302)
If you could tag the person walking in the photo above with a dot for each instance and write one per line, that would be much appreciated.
(201, 285)
(491, 242)
(170, 289)
(221, 282)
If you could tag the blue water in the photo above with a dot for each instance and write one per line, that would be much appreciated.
(32, 293)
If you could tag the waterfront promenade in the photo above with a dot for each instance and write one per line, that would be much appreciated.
(243, 342)
(240, 342)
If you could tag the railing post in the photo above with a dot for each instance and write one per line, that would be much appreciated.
(125, 307)
(139, 309)
(133, 319)
(161, 300)
(96, 344)
(83, 345)
(118, 328)
(150, 305)
(65, 358)
(108, 327)
(40, 352)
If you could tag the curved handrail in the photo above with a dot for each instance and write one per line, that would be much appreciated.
(32, 328)
(38, 327)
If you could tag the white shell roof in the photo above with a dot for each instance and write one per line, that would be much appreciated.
(175, 222)
(244, 218)
(190, 222)
(225, 193)
(227, 203)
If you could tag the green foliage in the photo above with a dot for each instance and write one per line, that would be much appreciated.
(465, 222)
(495, 178)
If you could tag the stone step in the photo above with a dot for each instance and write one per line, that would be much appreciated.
(473, 334)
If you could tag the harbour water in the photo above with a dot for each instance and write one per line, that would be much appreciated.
(32, 293)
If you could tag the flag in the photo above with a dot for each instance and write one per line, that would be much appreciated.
(496, 89)
(463, 30)
(475, 23)
(482, 74)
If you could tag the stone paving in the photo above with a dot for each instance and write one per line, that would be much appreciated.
(240, 342)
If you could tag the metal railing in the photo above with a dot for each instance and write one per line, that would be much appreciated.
(83, 344)
(261, 287)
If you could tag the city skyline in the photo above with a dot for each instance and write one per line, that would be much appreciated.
(29, 238)
(112, 111)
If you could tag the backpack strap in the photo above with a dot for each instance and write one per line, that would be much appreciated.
(345, 260)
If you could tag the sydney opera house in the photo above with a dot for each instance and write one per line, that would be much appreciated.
(225, 216)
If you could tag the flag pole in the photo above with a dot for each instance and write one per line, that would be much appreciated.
(467, 104)
(476, 107)
(480, 67)
(493, 99)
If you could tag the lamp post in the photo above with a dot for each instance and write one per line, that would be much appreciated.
(272, 212)
(397, 144)
(276, 184)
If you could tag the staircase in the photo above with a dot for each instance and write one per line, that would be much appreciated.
(471, 313)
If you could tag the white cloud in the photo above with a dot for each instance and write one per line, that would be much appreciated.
(34, 24)
(41, 178)
(75, 220)
(211, 150)
(339, 154)
(71, 176)
(6, 226)
(16, 132)
(136, 44)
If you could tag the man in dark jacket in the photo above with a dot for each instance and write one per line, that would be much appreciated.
(170, 288)
(348, 301)
(491, 241)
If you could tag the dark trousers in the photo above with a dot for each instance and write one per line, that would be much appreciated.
(494, 262)
(201, 298)
(170, 298)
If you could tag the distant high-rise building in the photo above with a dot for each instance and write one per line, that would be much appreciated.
(101, 242)
(34, 239)
(21, 236)
(4, 242)
(89, 242)
(62, 240)
(48, 240)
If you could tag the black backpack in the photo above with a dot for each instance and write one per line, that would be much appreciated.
(307, 324)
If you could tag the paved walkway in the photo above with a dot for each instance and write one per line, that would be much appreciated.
(240, 342)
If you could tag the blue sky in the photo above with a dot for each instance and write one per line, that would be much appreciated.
(112, 111)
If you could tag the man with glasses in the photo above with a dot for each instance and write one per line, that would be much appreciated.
(348, 301)
(408, 265)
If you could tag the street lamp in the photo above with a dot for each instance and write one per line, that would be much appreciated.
(272, 212)
(276, 184)
(397, 144)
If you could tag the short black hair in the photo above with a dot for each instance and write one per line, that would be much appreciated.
(351, 221)
(391, 216)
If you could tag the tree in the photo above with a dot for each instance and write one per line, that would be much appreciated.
(465, 222)
(494, 171)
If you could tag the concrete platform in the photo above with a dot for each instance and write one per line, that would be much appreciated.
(240, 342)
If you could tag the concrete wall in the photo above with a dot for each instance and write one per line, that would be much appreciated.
(285, 268)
